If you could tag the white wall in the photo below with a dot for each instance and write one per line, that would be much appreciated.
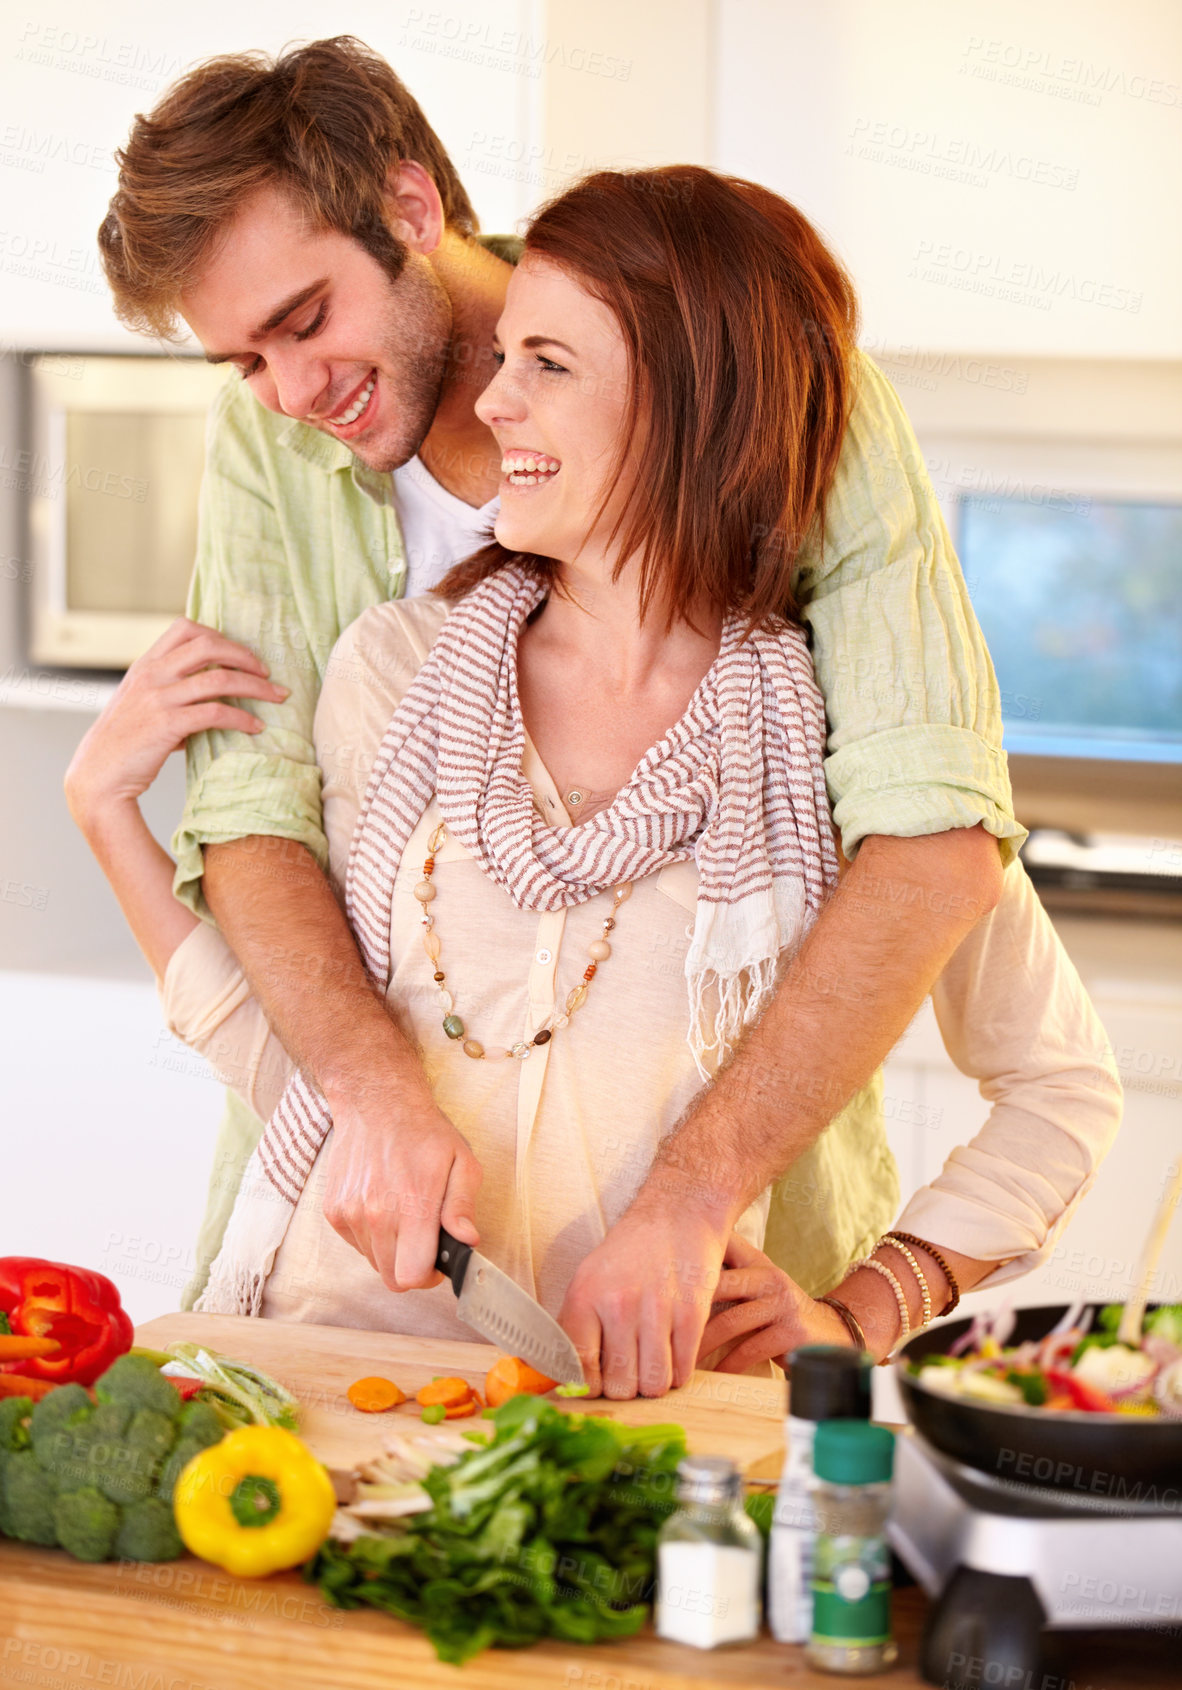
(108, 1134)
(651, 101)
(999, 176)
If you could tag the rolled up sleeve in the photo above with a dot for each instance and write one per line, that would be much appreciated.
(912, 700)
(246, 784)
(1015, 1016)
(236, 795)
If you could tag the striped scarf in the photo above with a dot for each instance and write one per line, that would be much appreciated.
(737, 784)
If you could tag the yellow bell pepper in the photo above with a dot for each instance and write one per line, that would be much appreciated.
(255, 1503)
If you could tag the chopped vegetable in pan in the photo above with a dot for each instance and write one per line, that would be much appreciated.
(1074, 1367)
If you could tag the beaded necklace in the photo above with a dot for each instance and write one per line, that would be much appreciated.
(598, 950)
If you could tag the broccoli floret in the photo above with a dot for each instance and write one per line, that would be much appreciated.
(200, 1422)
(147, 1532)
(5, 1520)
(53, 1427)
(29, 1497)
(137, 1381)
(1032, 1385)
(86, 1523)
(14, 1422)
(1166, 1322)
(175, 1465)
(98, 1447)
(14, 1435)
(129, 1477)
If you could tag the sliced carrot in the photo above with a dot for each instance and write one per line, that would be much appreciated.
(17, 1346)
(511, 1377)
(447, 1392)
(462, 1410)
(375, 1395)
(14, 1385)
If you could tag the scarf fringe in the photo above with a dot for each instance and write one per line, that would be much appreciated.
(715, 1027)
(233, 1291)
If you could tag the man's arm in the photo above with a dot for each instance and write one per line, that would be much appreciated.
(397, 1165)
(917, 778)
(844, 1001)
(271, 520)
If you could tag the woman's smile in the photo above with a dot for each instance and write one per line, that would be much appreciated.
(525, 467)
(563, 376)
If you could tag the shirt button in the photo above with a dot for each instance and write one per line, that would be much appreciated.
(544, 956)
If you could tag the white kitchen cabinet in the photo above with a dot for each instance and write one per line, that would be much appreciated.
(993, 173)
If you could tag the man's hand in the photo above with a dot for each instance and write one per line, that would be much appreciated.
(766, 1314)
(396, 1166)
(393, 1177)
(636, 1307)
(642, 1298)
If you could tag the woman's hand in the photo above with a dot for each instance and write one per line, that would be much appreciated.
(177, 688)
(767, 1314)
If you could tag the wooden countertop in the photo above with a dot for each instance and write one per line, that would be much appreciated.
(185, 1625)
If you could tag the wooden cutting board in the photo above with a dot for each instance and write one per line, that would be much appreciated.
(723, 1414)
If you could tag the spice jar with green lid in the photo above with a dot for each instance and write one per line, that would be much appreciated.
(825, 1382)
(852, 1463)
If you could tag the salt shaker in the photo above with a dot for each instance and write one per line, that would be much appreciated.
(709, 1559)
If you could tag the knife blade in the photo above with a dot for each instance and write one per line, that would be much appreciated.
(495, 1306)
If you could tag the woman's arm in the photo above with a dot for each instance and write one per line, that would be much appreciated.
(763, 1314)
(178, 687)
(1014, 1015)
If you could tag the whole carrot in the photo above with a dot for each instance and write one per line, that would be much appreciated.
(15, 1385)
(19, 1346)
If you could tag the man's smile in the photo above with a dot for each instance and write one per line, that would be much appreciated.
(354, 411)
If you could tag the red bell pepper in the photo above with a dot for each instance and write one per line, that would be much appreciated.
(1082, 1395)
(79, 1309)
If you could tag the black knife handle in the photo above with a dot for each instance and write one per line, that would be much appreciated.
(452, 1259)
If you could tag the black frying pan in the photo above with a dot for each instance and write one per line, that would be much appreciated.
(1115, 1458)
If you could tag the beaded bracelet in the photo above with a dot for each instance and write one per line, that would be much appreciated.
(925, 1294)
(850, 1319)
(922, 1244)
(895, 1285)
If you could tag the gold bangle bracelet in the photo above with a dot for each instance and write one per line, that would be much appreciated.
(851, 1321)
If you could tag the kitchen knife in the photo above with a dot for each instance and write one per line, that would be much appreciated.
(495, 1306)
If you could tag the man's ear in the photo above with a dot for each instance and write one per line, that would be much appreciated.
(414, 207)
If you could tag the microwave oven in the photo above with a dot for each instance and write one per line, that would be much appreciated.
(115, 457)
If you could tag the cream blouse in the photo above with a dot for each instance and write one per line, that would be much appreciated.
(566, 1137)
